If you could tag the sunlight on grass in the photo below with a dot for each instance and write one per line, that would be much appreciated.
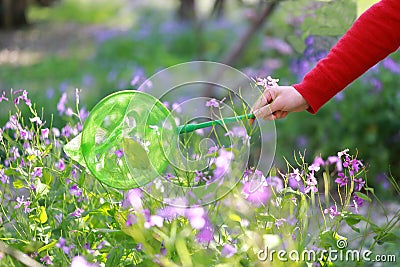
(82, 11)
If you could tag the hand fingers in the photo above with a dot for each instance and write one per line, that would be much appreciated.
(264, 99)
(263, 112)
(280, 114)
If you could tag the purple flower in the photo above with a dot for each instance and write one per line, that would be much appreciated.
(45, 133)
(169, 176)
(22, 202)
(294, 184)
(296, 175)
(66, 131)
(279, 222)
(332, 212)
(24, 134)
(4, 178)
(359, 184)
(335, 160)
(357, 202)
(176, 107)
(228, 251)
(77, 213)
(212, 150)
(3, 97)
(62, 244)
(60, 165)
(391, 65)
(37, 172)
(196, 217)
(46, 260)
(352, 164)
(130, 219)
(163, 250)
(382, 179)
(343, 153)
(212, 103)
(79, 261)
(59, 217)
(206, 234)
(69, 112)
(75, 191)
(268, 82)
(311, 183)
(170, 212)
(119, 153)
(61, 103)
(275, 182)
(256, 192)
(222, 162)
(133, 198)
(37, 120)
(342, 180)
(83, 114)
(101, 245)
(139, 247)
(155, 220)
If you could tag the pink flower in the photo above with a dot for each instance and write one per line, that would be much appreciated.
(61, 103)
(3, 177)
(206, 234)
(36, 119)
(212, 103)
(37, 172)
(342, 180)
(256, 192)
(133, 198)
(60, 165)
(228, 251)
(3, 97)
(77, 213)
(22, 202)
(155, 220)
(311, 184)
(45, 133)
(332, 212)
(119, 153)
(79, 261)
(196, 217)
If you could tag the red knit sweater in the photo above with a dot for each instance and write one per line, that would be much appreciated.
(372, 37)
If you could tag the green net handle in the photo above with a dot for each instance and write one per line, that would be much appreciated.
(187, 128)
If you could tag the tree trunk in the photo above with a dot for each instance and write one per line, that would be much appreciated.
(218, 9)
(13, 13)
(187, 10)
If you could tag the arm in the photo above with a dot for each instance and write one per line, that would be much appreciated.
(373, 36)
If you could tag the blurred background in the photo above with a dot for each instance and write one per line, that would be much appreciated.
(49, 47)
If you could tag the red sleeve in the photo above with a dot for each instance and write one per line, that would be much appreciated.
(372, 37)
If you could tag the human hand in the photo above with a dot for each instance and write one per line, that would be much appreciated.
(278, 102)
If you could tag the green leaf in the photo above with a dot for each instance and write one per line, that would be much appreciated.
(363, 196)
(48, 246)
(18, 184)
(114, 257)
(47, 178)
(47, 150)
(387, 238)
(73, 150)
(351, 221)
(372, 190)
(183, 252)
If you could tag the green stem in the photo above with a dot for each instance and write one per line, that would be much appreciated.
(187, 128)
